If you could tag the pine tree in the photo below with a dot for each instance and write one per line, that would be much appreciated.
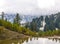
(2, 15)
(17, 19)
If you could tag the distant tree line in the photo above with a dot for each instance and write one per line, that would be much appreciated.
(52, 22)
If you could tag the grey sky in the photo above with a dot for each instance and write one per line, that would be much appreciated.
(27, 7)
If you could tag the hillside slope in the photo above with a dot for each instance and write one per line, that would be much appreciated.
(8, 34)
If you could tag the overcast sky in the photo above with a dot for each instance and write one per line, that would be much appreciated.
(30, 7)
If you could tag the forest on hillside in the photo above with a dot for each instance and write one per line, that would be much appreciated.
(52, 22)
(51, 28)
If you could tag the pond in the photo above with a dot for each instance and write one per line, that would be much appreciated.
(32, 41)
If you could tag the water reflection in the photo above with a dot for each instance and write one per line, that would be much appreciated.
(55, 39)
(13, 41)
(32, 40)
(42, 41)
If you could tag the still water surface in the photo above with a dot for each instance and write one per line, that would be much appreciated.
(32, 41)
(42, 41)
